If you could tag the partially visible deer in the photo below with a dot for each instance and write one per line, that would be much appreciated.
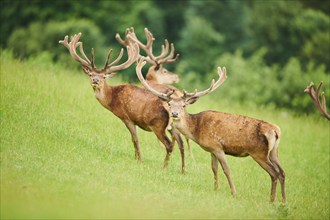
(135, 106)
(156, 73)
(222, 133)
(319, 101)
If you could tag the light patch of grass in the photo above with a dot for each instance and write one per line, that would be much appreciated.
(64, 156)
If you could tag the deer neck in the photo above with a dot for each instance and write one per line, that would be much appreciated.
(186, 125)
(103, 95)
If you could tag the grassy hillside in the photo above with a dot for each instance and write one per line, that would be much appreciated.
(64, 156)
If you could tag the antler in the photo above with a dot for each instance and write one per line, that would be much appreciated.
(109, 70)
(151, 58)
(222, 77)
(74, 43)
(141, 63)
(318, 101)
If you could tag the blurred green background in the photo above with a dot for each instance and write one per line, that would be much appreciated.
(271, 49)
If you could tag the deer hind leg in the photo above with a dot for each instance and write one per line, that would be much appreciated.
(273, 156)
(267, 165)
(132, 129)
(177, 137)
(220, 155)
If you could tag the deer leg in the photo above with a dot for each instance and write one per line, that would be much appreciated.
(168, 145)
(189, 149)
(214, 163)
(132, 129)
(281, 174)
(176, 136)
(267, 165)
(223, 161)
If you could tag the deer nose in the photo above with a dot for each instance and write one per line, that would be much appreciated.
(95, 80)
(175, 114)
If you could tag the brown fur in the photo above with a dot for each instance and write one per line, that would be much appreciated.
(160, 75)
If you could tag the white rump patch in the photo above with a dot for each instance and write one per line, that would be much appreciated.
(271, 137)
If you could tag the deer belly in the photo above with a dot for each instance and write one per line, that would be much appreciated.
(144, 126)
(230, 147)
(236, 151)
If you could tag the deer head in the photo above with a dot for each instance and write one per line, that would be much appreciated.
(175, 102)
(98, 76)
(156, 73)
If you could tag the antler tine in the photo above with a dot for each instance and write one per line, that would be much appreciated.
(133, 52)
(107, 60)
(163, 96)
(318, 101)
(129, 31)
(187, 95)
(120, 40)
(121, 53)
(93, 59)
(74, 43)
(65, 42)
(169, 58)
(80, 44)
(222, 77)
(164, 51)
(162, 58)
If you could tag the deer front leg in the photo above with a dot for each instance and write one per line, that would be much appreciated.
(132, 129)
(214, 163)
(176, 136)
(220, 155)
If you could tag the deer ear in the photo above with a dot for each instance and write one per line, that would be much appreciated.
(191, 100)
(157, 67)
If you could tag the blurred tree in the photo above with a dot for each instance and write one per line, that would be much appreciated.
(211, 28)
(288, 30)
(30, 41)
(226, 17)
(173, 15)
(19, 14)
(201, 44)
(322, 5)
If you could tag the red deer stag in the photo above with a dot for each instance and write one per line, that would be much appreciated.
(135, 106)
(319, 103)
(222, 133)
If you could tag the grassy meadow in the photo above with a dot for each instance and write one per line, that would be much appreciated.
(64, 156)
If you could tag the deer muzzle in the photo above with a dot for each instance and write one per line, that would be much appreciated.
(175, 115)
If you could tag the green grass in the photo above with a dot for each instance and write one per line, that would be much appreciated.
(64, 156)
